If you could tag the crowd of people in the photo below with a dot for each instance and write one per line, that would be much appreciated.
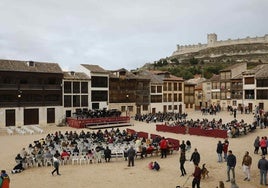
(160, 117)
(60, 147)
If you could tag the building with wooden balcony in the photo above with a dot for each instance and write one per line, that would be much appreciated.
(30, 93)
(225, 82)
(255, 87)
(128, 92)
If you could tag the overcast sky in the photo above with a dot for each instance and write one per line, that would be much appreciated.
(120, 33)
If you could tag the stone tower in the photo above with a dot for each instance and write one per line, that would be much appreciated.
(212, 39)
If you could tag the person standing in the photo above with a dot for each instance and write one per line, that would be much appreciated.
(257, 145)
(246, 164)
(197, 176)
(219, 151)
(56, 164)
(182, 161)
(263, 166)
(263, 145)
(183, 146)
(225, 149)
(163, 147)
(195, 157)
(107, 154)
(4, 179)
(231, 162)
(131, 155)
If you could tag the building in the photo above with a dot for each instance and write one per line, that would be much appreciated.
(76, 93)
(30, 93)
(215, 90)
(166, 91)
(128, 92)
(98, 87)
(255, 87)
(226, 76)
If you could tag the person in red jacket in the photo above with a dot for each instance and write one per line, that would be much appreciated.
(197, 176)
(163, 147)
(263, 145)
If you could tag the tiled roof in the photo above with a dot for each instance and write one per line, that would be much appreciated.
(29, 66)
(75, 76)
(215, 77)
(262, 71)
(232, 67)
(94, 68)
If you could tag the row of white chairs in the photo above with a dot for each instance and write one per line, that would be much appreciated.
(31, 129)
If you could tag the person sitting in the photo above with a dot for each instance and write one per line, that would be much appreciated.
(18, 158)
(150, 149)
(18, 168)
(156, 166)
(64, 154)
(151, 165)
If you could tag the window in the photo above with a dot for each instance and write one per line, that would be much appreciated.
(175, 86)
(123, 108)
(145, 107)
(99, 96)
(180, 97)
(67, 87)
(249, 94)
(76, 101)
(169, 97)
(180, 86)
(76, 87)
(169, 107)
(262, 94)
(67, 101)
(159, 89)
(84, 100)
(153, 89)
(169, 86)
(99, 81)
(175, 97)
(156, 98)
(262, 83)
(84, 87)
(249, 80)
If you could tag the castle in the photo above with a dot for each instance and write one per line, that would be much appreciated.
(213, 42)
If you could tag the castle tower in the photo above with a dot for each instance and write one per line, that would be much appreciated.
(211, 39)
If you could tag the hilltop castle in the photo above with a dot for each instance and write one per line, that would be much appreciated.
(213, 42)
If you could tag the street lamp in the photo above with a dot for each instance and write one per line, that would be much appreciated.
(19, 97)
(127, 103)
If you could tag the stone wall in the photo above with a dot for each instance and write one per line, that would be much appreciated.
(212, 42)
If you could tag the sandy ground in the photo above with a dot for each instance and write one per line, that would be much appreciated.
(117, 174)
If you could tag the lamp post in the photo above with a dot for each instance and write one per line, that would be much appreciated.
(127, 103)
(19, 97)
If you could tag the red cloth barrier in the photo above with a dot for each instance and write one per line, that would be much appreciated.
(171, 129)
(153, 136)
(217, 133)
(175, 143)
(143, 134)
(131, 131)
